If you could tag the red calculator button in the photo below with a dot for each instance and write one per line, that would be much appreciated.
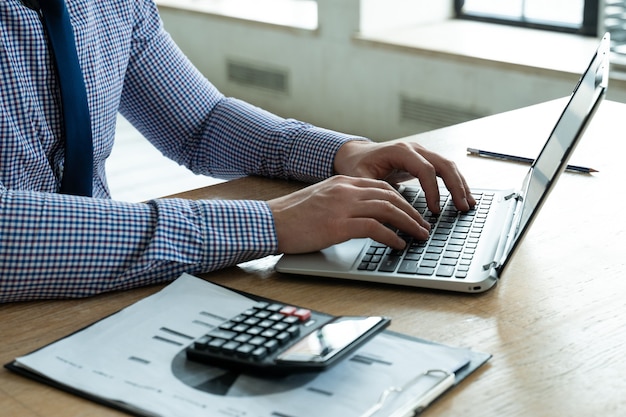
(303, 314)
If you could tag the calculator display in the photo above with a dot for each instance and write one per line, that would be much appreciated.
(330, 339)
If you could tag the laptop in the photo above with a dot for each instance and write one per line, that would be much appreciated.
(467, 251)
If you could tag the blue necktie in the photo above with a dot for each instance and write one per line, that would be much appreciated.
(78, 169)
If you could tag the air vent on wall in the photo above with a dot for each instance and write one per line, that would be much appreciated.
(256, 76)
(433, 115)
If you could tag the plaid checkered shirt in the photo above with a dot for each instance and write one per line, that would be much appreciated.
(54, 245)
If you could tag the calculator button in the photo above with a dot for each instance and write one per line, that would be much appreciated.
(242, 338)
(291, 320)
(263, 314)
(240, 328)
(229, 347)
(269, 333)
(303, 314)
(201, 343)
(293, 331)
(244, 350)
(259, 353)
(254, 330)
(283, 337)
(252, 321)
(227, 326)
(288, 310)
(271, 345)
(222, 334)
(257, 341)
(216, 344)
(280, 326)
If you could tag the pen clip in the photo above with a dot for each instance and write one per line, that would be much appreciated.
(516, 196)
(414, 406)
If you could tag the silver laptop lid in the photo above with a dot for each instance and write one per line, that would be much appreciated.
(557, 150)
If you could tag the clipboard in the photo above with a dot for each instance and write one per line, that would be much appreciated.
(401, 397)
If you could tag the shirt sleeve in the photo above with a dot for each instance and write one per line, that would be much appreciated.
(173, 105)
(57, 246)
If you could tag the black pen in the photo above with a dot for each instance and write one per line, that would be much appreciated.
(522, 159)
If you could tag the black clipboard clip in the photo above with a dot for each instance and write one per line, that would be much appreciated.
(415, 405)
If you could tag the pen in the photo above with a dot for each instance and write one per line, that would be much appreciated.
(480, 152)
(412, 409)
(416, 405)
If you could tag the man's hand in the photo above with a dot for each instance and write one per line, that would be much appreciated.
(359, 202)
(399, 161)
(341, 208)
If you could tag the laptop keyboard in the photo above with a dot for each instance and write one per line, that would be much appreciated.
(451, 246)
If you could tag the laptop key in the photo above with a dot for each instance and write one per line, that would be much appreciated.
(432, 256)
(422, 270)
(429, 264)
(389, 263)
(445, 271)
(408, 267)
(367, 266)
(410, 256)
(448, 261)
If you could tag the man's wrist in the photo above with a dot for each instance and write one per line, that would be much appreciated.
(342, 163)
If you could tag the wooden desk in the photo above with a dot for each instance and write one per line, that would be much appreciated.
(555, 323)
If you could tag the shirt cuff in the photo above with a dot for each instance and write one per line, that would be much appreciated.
(236, 231)
(313, 153)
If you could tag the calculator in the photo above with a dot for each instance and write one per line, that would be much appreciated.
(272, 338)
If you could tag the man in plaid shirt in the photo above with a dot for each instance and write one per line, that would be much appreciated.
(55, 245)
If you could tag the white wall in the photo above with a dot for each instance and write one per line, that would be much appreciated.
(342, 83)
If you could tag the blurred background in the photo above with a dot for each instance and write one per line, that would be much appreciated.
(379, 68)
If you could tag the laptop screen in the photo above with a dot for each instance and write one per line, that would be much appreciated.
(554, 156)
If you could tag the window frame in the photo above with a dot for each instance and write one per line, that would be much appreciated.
(589, 25)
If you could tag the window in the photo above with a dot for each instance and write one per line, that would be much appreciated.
(575, 16)
(585, 17)
(614, 21)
